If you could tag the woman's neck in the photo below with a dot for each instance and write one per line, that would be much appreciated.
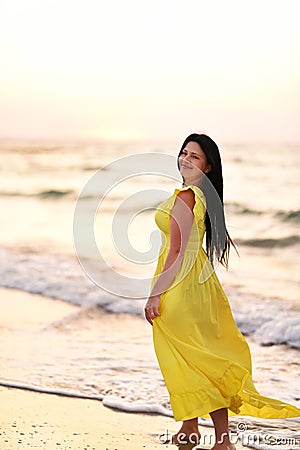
(191, 183)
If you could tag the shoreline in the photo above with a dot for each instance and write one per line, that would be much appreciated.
(36, 420)
(268, 319)
(42, 342)
(44, 421)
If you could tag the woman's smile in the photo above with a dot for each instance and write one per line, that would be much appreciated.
(186, 165)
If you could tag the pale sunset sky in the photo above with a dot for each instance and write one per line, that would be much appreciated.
(94, 69)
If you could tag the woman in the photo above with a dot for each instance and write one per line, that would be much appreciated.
(204, 358)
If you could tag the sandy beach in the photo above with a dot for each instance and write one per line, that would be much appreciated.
(32, 326)
(36, 420)
(33, 420)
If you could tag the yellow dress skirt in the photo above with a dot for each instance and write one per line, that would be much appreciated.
(204, 358)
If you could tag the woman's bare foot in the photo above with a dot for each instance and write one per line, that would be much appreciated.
(224, 446)
(188, 434)
(182, 438)
(220, 420)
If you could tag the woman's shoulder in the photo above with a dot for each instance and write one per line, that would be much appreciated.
(187, 196)
(190, 191)
(195, 199)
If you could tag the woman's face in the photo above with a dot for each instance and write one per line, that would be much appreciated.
(192, 162)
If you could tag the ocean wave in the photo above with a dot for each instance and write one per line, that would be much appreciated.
(290, 216)
(93, 168)
(61, 277)
(51, 193)
(284, 216)
(270, 242)
(238, 208)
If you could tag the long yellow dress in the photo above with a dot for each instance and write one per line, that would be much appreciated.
(204, 358)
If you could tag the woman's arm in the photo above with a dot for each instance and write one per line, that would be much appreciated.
(181, 221)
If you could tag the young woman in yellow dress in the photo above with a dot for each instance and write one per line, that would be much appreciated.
(204, 358)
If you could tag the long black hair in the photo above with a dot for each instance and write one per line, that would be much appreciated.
(218, 241)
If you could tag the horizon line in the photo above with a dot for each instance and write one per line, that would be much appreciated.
(94, 140)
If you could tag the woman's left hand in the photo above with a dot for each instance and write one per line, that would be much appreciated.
(152, 308)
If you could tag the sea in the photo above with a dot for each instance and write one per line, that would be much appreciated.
(77, 224)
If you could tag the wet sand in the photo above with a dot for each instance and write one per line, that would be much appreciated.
(32, 420)
(38, 333)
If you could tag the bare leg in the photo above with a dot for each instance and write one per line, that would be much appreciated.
(220, 420)
(188, 433)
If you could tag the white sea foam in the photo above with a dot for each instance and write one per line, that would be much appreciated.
(268, 321)
(100, 357)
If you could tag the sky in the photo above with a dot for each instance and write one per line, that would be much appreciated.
(134, 69)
